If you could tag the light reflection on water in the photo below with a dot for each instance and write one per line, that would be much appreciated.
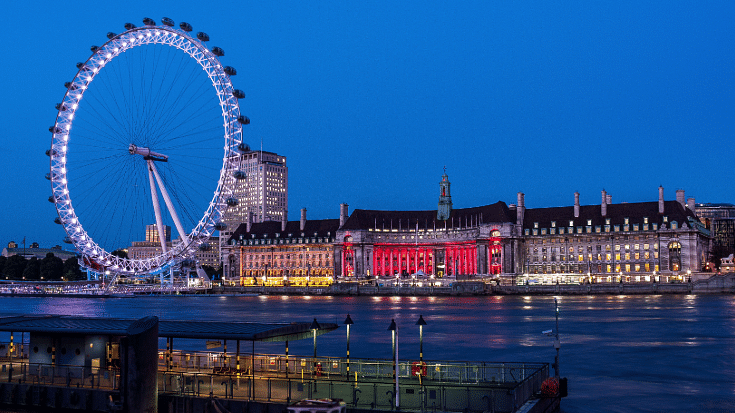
(631, 354)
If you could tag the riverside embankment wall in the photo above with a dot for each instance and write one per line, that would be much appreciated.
(717, 284)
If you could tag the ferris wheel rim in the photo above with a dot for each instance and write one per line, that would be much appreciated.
(61, 131)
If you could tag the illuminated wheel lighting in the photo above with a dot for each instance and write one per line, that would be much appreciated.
(69, 180)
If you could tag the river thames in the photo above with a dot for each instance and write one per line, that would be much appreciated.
(656, 353)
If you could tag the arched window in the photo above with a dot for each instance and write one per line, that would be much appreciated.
(674, 255)
(495, 253)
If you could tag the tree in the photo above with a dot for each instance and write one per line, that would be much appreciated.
(32, 271)
(71, 270)
(718, 253)
(3, 260)
(14, 266)
(120, 253)
(52, 267)
(213, 273)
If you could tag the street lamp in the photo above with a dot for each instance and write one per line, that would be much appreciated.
(314, 327)
(394, 329)
(421, 323)
(348, 323)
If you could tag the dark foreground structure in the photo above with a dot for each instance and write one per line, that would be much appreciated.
(69, 364)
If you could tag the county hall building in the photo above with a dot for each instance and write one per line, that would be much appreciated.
(579, 243)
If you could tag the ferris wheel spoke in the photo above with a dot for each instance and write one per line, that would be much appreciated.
(172, 113)
(100, 134)
(163, 105)
(166, 106)
(113, 126)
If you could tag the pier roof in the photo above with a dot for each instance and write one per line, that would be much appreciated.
(227, 330)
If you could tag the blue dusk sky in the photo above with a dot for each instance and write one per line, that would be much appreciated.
(369, 100)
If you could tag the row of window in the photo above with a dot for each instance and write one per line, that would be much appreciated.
(599, 257)
(596, 269)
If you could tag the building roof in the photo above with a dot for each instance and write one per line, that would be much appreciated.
(166, 328)
(364, 219)
(269, 229)
(615, 212)
(38, 252)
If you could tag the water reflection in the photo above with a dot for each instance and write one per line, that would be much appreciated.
(661, 352)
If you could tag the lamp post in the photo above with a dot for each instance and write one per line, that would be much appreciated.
(348, 323)
(314, 327)
(421, 323)
(394, 329)
(556, 339)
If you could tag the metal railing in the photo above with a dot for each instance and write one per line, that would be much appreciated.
(21, 371)
(445, 386)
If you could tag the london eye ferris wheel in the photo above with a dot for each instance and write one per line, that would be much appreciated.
(145, 135)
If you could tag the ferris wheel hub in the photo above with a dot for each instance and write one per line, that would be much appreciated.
(147, 153)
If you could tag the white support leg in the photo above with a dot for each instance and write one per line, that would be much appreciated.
(157, 208)
(170, 205)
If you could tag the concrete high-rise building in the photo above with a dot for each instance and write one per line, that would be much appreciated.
(261, 190)
(151, 233)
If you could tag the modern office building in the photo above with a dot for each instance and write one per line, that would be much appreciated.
(151, 233)
(261, 189)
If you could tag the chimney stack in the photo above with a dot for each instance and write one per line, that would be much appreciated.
(680, 198)
(691, 204)
(249, 222)
(303, 219)
(284, 220)
(576, 205)
(603, 205)
(660, 199)
(609, 199)
(520, 208)
(343, 214)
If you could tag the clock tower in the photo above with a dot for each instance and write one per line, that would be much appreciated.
(445, 198)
